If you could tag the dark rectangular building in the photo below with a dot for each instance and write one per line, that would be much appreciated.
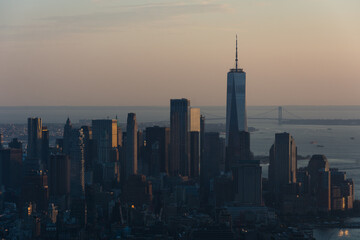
(179, 137)
(157, 149)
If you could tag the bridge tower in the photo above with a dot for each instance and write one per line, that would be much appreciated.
(280, 118)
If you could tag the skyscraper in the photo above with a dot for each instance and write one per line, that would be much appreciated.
(320, 182)
(11, 168)
(179, 137)
(236, 119)
(34, 138)
(88, 154)
(238, 149)
(105, 134)
(246, 172)
(157, 149)
(131, 145)
(59, 175)
(282, 168)
(77, 163)
(45, 147)
(194, 142)
(67, 137)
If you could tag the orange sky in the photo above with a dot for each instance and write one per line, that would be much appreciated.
(109, 52)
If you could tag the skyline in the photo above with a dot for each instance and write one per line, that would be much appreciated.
(107, 53)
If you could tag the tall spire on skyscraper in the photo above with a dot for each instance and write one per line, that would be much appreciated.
(236, 56)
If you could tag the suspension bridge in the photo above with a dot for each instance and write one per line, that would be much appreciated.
(266, 115)
(284, 116)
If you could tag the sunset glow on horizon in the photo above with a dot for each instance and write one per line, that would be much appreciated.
(108, 52)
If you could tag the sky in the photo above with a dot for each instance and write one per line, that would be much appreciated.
(141, 53)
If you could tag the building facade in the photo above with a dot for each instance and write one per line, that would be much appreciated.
(131, 145)
(236, 118)
(179, 137)
(34, 138)
(283, 162)
(105, 134)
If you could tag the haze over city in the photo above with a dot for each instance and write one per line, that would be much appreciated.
(106, 52)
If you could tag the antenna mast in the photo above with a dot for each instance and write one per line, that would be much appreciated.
(236, 56)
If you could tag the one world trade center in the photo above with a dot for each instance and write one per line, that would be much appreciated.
(236, 119)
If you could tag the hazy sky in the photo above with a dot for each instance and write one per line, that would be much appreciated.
(137, 52)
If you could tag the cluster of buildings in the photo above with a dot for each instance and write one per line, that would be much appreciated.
(314, 189)
(100, 181)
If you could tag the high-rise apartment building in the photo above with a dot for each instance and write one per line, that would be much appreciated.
(179, 137)
(131, 145)
(236, 118)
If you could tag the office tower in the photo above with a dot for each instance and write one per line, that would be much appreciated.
(59, 175)
(138, 191)
(194, 154)
(67, 137)
(223, 189)
(77, 163)
(303, 178)
(11, 168)
(283, 164)
(236, 119)
(247, 183)
(212, 155)
(15, 143)
(210, 162)
(34, 138)
(238, 149)
(35, 189)
(194, 120)
(45, 147)
(131, 145)
(320, 182)
(194, 142)
(105, 134)
(88, 154)
(157, 149)
(246, 172)
(119, 137)
(342, 191)
(179, 137)
(142, 165)
(122, 158)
